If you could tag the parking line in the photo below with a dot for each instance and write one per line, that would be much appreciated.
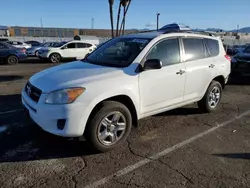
(143, 162)
(11, 111)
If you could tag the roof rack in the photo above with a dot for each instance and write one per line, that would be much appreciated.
(178, 28)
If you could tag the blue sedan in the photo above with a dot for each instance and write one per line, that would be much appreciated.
(10, 54)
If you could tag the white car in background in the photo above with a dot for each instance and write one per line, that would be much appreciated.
(67, 50)
(18, 44)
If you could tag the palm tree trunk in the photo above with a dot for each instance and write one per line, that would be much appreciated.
(118, 19)
(124, 16)
(111, 18)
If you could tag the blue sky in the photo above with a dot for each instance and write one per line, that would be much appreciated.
(225, 14)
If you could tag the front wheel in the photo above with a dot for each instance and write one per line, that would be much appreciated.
(212, 98)
(55, 58)
(109, 127)
(36, 53)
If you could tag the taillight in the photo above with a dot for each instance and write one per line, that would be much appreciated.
(228, 57)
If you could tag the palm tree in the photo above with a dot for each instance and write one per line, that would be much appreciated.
(111, 3)
(125, 4)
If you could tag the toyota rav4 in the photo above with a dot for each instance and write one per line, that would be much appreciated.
(126, 79)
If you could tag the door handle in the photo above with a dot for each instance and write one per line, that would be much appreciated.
(181, 72)
(211, 66)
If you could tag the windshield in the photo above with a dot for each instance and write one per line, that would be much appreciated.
(45, 44)
(60, 44)
(118, 52)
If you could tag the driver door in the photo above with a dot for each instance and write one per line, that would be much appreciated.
(163, 88)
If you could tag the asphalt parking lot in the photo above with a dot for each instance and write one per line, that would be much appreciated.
(180, 148)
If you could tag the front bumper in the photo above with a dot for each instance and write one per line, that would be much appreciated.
(43, 55)
(30, 53)
(47, 116)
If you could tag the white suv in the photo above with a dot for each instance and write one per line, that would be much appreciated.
(66, 50)
(126, 79)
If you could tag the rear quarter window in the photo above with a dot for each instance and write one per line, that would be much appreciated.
(213, 46)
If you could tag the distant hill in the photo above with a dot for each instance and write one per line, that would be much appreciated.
(214, 29)
(242, 30)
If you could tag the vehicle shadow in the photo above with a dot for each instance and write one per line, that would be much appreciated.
(181, 111)
(35, 60)
(7, 78)
(239, 80)
(28, 142)
(234, 155)
(23, 140)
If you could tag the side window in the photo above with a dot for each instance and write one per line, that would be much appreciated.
(19, 43)
(194, 49)
(2, 46)
(88, 45)
(81, 45)
(71, 45)
(213, 46)
(168, 51)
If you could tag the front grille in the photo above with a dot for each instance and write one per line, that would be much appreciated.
(33, 92)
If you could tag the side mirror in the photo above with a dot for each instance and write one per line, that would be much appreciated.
(152, 64)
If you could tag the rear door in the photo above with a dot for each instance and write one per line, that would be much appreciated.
(198, 71)
(3, 52)
(69, 50)
(82, 49)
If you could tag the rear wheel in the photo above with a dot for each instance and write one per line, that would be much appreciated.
(55, 58)
(212, 98)
(11, 60)
(109, 127)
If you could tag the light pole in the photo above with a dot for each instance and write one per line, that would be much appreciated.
(158, 16)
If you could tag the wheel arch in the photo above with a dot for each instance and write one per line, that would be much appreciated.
(221, 79)
(124, 99)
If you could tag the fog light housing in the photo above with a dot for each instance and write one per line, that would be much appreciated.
(61, 124)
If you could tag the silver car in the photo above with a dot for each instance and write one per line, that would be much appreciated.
(18, 44)
(33, 51)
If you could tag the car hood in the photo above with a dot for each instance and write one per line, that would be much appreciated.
(72, 74)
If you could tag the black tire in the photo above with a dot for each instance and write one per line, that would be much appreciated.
(93, 126)
(12, 60)
(55, 58)
(36, 53)
(203, 104)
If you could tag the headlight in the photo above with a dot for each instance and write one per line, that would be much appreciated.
(64, 96)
